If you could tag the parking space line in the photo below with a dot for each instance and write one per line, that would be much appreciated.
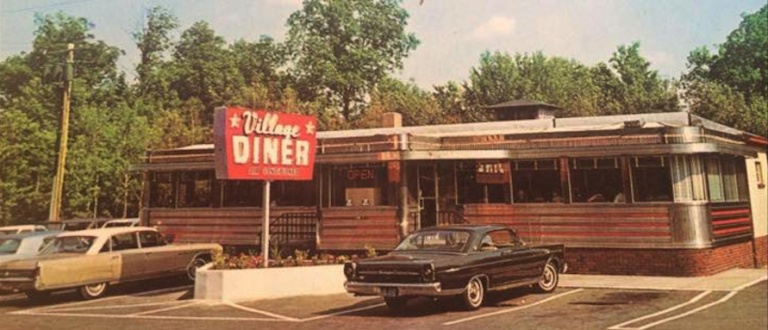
(513, 308)
(115, 306)
(693, 311)
(673, 308)
(164, 317)
(166, 309)
(314, 318)
(253, 310)
(77, 303)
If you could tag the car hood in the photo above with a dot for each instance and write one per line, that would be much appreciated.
(31, 262)
(438, 259)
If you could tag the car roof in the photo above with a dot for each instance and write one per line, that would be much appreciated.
(20, 226)
(32, 234)
(123, 220)
(469, 227)
(106, 231)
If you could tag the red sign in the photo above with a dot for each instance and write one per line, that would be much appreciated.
(261, 145)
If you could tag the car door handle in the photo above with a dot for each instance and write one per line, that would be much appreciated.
(507, 252)
(115, 257)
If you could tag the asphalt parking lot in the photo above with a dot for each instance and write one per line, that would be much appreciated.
(170, 305)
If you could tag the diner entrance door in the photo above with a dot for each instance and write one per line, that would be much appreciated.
(427, 184)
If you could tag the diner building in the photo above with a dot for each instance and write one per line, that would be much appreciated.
(655, 194)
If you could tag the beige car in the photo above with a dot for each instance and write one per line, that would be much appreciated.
(91, 260)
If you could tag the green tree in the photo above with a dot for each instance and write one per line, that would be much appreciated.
(205, 69)
(501, 77)
(153, 41)
(741, 61)
(731, 86)
(260, 63)
(417, 106)
(642, 89)
(344, 48)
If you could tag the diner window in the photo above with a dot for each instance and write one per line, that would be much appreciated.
(195, 189)
(730, 182)
(651, 179)
(727, 179)
(596, 180)
(714, 180)
(536, 181)
(243, 193)
(293, 193)
(359, 186)
(759, 175)
(688, 178)
(483, 182)
(161, 192)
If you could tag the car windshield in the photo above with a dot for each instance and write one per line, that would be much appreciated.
(9, 246)
(439, 240)
(69, 244)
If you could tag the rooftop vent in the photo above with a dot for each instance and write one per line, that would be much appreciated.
(523, 109)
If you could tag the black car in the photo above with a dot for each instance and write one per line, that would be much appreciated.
(463, 261)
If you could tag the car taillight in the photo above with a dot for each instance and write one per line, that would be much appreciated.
(349, 270)
(428, 273)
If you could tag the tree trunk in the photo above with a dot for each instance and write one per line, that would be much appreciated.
(346, 104)
(125, 195)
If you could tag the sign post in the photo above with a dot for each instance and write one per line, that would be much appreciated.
(265, 224)
(260, 145)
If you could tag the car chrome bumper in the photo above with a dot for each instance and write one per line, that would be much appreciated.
(403, 289)
(17, 284)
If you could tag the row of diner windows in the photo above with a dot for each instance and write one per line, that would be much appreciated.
(679, 178)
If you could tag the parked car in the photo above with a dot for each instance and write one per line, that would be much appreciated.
(75, 224)
(91, 260)
(131, 222)
(461, 260)
(19, 246)
(11, 230)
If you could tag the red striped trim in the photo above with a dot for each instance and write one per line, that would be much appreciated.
(725, 222)
(730, 212)
(732, 230)
(594, 224)
(594, 234)
(758, 140)
(359, 237)
(569, 215)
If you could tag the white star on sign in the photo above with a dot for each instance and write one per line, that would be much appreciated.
(234, 121)
(310, 128)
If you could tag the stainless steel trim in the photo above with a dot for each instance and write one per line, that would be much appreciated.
(404, 289)
(690, 225)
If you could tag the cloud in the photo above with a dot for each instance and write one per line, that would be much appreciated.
(493, 27)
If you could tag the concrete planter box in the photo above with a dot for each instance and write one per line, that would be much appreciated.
(267, 283)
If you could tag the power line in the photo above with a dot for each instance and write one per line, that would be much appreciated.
(65, 3)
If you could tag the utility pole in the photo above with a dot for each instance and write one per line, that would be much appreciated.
(58, 181)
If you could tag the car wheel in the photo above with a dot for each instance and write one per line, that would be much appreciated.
(396, 303)
(549, 278)
(473, 296)
(37, 295)
(196, 263)
(93, 291)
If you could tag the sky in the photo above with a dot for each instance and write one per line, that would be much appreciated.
(453, 33)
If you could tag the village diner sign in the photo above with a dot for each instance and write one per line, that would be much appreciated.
(261, 145)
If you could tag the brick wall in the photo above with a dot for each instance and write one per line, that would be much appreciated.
(665, 262)
(761, 251)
